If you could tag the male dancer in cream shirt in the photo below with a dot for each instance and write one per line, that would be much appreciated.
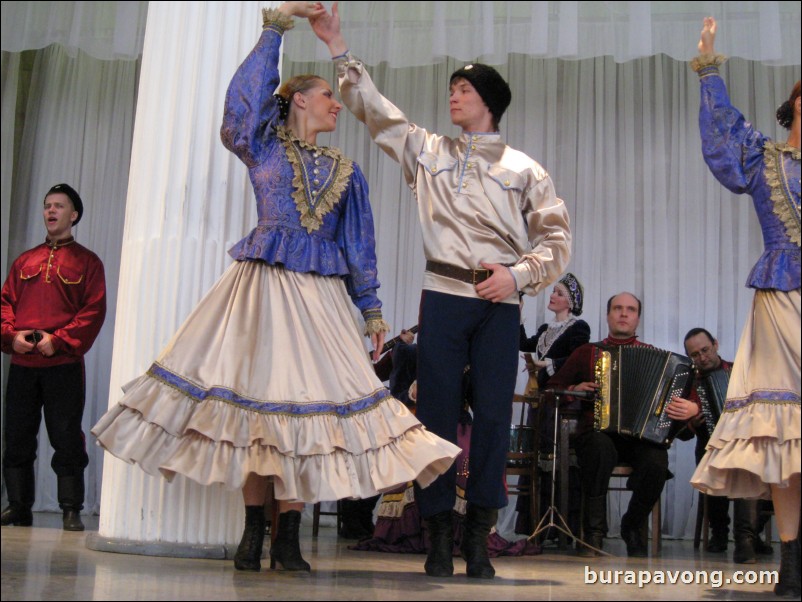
(493, 228)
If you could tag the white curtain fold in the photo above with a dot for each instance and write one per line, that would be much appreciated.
(409, 34)
(406, 34)
(189, 200)
(103, 30)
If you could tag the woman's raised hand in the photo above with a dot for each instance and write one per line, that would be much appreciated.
(708, 36)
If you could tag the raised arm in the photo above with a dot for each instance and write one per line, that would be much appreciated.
(732, 148)
(250, 107)
(388, 125)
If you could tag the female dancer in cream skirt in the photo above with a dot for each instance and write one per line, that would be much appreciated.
(754, 451)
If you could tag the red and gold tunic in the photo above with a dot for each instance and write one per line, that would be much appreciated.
(60, 288)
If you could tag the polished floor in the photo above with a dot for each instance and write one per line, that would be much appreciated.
(46, 563)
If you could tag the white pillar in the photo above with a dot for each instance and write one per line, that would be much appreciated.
(188, 201)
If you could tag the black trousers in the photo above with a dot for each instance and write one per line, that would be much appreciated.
(58, 390)
(598, 453)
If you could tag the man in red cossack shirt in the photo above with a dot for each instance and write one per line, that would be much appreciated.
(53, 306)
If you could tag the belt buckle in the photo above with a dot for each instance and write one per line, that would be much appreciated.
(475, 275)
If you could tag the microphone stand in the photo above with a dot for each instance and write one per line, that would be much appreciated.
(552, 510)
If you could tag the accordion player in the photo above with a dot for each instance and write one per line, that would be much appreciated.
(636, 384)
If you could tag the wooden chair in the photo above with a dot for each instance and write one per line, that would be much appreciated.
(701, 532)
(317, 513)
(623, 471)
(522, 458)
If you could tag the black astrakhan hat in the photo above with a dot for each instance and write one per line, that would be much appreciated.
(490, 86)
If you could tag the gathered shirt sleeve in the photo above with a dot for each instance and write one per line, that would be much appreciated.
(389, 127)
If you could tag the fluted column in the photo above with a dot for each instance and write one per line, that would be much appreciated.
(188, 201)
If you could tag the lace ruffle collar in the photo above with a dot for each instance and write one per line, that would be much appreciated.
(783, 203)
(314, 207)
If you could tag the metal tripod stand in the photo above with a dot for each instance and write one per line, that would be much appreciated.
(552, 510)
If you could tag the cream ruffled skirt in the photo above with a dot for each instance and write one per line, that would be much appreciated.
(269, 375)
(756, 442)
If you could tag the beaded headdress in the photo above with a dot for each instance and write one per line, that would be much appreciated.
(576, 293)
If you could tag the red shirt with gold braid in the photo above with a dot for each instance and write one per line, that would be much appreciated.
(59, 288)
(580, 368)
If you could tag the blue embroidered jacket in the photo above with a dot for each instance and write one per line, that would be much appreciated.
(312, 202)
(746, 161)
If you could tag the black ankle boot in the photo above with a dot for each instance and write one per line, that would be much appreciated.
(594, 525)
(286, 550)
(632, 532)
(357, 518)
(16, 515)
(440, 559)
(763, 548)
(478, 523)
(744, 531)
(71, 501)
(744, 549)
(71, 520)
(20, 488)
(788, 584)
(718, 543)
(249, 552)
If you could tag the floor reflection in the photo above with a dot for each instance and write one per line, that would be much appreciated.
(46, 563)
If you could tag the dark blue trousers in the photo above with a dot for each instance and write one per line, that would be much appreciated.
(456, 332)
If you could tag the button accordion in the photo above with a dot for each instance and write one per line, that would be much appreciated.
(712, 391)
(636, 384)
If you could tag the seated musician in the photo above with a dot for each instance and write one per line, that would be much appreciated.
(702, 348)
(599, 452)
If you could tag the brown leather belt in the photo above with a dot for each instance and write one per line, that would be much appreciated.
(457, 273)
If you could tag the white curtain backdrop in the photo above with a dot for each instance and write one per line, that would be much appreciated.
(408, 34)
(103, 30)
(602, 97)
